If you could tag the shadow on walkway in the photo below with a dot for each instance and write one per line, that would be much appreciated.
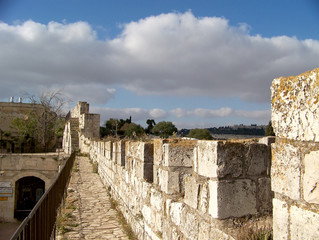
(88, 212)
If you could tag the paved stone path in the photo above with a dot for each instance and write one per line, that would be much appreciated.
(87, 213)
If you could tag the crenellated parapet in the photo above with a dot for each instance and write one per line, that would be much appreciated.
(173, 188)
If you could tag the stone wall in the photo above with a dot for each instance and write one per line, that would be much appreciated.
(80, 123)
(11, 110)
(184, 189)
(79, 109)
(295, 163)
(9, 137)
(16, 166)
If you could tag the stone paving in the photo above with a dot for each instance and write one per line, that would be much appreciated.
(88, 212)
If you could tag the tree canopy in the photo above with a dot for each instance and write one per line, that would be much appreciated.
(150, 124)
(201, 134)
(269, 131)
(43, 124)
(132, 130)
(164, 129)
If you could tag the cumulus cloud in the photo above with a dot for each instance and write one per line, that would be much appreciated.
(169, 54)
(157, 113)
(34, 56)
(95, 93)
(200, 112)
(184, 55)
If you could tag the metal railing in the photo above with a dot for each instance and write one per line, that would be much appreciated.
(41, 222)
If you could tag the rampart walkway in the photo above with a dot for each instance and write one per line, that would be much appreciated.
(88, 211)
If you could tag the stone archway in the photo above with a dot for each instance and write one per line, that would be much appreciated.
(28, 191)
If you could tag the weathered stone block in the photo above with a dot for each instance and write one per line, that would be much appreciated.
(147, 214)
(295, 106)
(286, 170)
(230, 159)
(219, 159)
(280, 220)
(169, 181)
(120, 153)
(264, 195)
(168, 206)
(158, 151)
(204, 231)
(158, 221)
(311, 178)
(156, 174)
(140, 150)
(203, 198)
(191, 192)
(108, 146)
(143, 170)
(258, 159)
(178, 155)
(304, 224)
(205, 158)
(190, 224)
(232, 198)
(146, 190)
(176, 212)
(156, 200)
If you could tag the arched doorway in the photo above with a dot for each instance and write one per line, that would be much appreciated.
(28, 191)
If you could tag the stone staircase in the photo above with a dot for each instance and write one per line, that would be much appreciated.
(74, 125)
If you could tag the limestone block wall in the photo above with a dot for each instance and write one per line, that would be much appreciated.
(79, 109)
(165, 192)
(81, 123)
(70, 141)
(295, 163)
(11, 110)
(89, 125)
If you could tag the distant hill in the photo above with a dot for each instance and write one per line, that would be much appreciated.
(253, 130)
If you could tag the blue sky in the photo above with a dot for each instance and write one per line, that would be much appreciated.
(196, 63)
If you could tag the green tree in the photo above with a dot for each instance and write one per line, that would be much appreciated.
(114, 127)
(111, 126)
(103, 132)
(164, 129)
(269, 131)
(150, 124)
(44, 123)
(201, 134)
(132, 130)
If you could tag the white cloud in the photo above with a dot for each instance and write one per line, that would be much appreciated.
(94, 93)
(179, 54)
(200, 112)
(157, 113)
(169, 54)
(179, 112)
